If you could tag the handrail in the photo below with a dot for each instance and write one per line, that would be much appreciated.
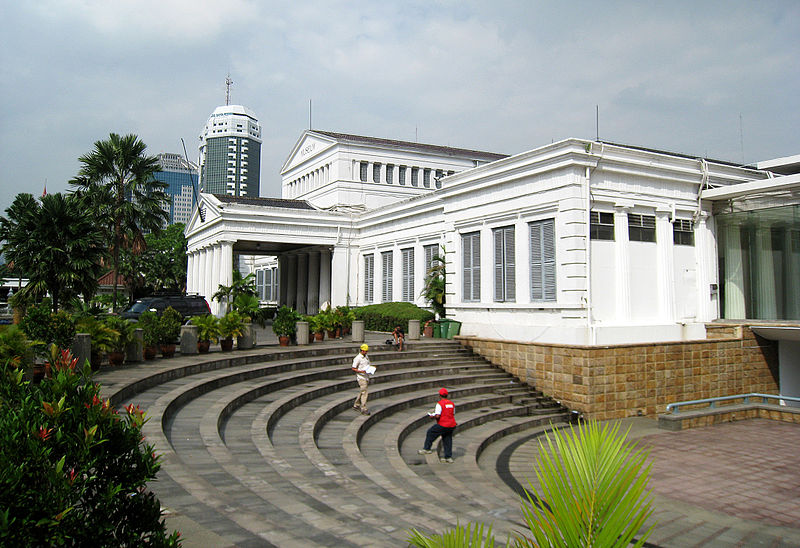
(673, 407)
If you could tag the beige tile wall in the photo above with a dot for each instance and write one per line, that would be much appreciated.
(606, 382)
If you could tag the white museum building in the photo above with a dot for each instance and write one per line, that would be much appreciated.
(577, 242)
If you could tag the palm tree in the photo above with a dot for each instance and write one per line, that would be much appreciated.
(240, 285)
(55, 242)
(116, 182)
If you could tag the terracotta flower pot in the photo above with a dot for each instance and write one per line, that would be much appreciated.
(427, 331)
(203, 346)
(319, 335)
(167, 350)
(283, 340)
(116, 357)
(226, 344)
(150, 352)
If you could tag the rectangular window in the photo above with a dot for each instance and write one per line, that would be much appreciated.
(431, 251)
(683, 232)
(376, 173)
(504, 272)
(408, 275)
(438, 178)
(260, 284)
(401, 175)
(601, 225)
(369, 278)
(389, 173)
(386, 293)
(543, 260)
(471, 267)
(414, 176)
(426, 178)
(363, 172)
(641, 228)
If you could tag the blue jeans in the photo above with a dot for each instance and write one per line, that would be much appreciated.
(447, 438)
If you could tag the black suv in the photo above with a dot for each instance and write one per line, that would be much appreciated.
(187, 305)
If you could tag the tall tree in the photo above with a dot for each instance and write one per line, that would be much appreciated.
(117, 182)
(55, 242)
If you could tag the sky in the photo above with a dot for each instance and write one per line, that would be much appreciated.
(718, 79)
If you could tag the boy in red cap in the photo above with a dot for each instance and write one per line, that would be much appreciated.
(445, 424)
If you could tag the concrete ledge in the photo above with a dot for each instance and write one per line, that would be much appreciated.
(729, 413)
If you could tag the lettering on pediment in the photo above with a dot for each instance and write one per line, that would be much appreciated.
(306, 150)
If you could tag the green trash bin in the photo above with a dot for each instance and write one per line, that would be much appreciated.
(453, 328)
(437, 330)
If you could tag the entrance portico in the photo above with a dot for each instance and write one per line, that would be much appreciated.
(309, 246)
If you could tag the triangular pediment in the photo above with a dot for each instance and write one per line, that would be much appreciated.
(207, 211)
(309, 146)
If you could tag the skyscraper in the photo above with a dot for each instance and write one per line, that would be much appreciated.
(230, 152)
(181, 176)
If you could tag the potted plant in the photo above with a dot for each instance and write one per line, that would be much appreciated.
(230, 326)
(434, 286)
(148, 323)
(124, 328)
(103, 339)
(427, 329)
(285, 324)
(327, 321)
(344, 317)
(316, 326)
(169, 329)
(207, 331)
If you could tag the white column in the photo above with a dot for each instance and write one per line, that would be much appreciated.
(621, 263)
(291, 282)
(665, 266)
(226, 263)
(216, 255)
(198, 288)
(204, 274)
(283, 284)
(704, 251)
(734, 276)
(324, 277)
(312, 296)
(190, 273)
(766, 307)
(302, 282)
(342, 276)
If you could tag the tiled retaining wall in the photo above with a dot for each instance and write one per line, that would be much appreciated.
(607, 382)
(709, 417)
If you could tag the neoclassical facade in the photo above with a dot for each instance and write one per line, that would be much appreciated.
(579, 243)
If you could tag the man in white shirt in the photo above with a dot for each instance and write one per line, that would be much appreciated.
(362, 368)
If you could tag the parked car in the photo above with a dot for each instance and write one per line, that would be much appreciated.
(187, 305)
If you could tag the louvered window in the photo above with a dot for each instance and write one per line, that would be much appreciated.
(408, 274)
(386, 294)
(431, 251)
(504, 272)
(543, 260)
(363, 172)
(414, 176)
(471, 250)
(389, 173)
(260, 284)
(369, 278)
(401, 175)
(426, 178)
(641, 228)
(683, 232)
(376, 173)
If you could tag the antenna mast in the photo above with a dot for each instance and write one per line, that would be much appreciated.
(228, 84)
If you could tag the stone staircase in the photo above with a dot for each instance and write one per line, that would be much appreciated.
(263, 448)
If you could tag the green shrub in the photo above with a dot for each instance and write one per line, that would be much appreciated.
(45, 327)
(169, 326)
(14, 347)
(387, 316)
(148, 323)
(73, 469)
(285, 321)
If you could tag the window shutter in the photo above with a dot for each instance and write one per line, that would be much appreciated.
(470, 244)
(387, 276)
(369, 277)
(549, 259)
(498, 265)
(408, 275)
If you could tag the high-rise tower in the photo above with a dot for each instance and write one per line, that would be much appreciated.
(181, 176)
(230, 152)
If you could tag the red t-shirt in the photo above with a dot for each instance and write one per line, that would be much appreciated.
(448, 417)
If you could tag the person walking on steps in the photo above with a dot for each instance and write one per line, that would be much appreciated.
(445, 417)
(363, 371)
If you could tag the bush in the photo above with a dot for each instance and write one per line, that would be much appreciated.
(387, 316)
(169, 326)
(45, 327)
(74, 471)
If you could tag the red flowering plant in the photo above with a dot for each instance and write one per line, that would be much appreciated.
(74, 471)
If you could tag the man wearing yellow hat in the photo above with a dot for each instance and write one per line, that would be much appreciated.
(363, 371)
